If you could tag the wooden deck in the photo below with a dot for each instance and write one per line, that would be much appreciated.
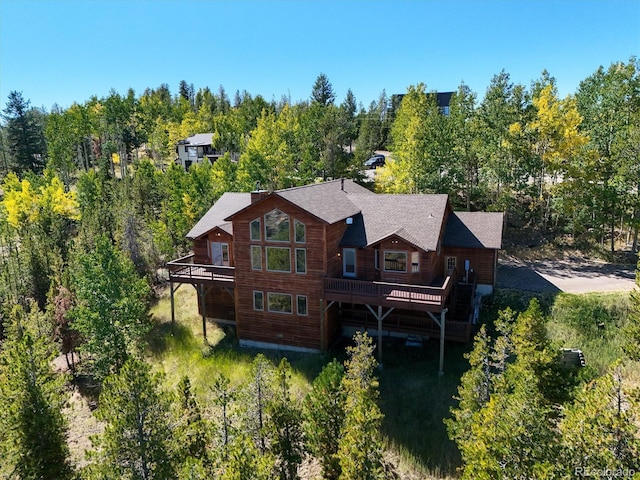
(183, 270)
(415, 324)
(426, 298)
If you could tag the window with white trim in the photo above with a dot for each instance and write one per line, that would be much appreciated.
(415, 262)
(256, 257)
(279, 302)
(301, 260)
(255, 230)
(395, 261)
(278, 259)
(301, 301)
(258, 300)
(450, 263)
(276, 226)
(300, 231)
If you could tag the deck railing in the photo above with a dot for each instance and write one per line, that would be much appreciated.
(386, 293)
(184, 270)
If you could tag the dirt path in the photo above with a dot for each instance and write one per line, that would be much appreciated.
(571, 275)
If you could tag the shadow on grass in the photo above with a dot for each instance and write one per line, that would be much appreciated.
(415, 399)
(165, 336)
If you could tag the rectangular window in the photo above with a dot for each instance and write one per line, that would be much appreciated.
(301, 300)
(301, 260)
(256, 257)
(415, 262)
(279, 302)
(255, 230)
(376, 258)
(278, 259)
(450, 263)
(258, 300)
(395, 261)
(301, 232)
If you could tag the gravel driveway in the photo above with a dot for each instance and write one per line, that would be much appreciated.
(564, 275)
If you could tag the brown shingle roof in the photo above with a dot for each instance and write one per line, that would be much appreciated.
(474, 230)
(329, 201)
(228, 204)
(414, 218)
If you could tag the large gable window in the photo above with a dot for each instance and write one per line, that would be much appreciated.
(395, 261)
(279, 302)
(276, 226)
(278, 259)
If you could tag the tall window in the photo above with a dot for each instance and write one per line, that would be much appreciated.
(415, 262)
(278, 259)
(279, 302)
(301, 260)
(276, 226)
(301, 300)
(258, 300)
(256, 257)
(255, 230)
(376, 259)
(301, 231)
(395, 261)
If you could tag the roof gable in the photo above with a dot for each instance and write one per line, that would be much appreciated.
(415, 218)
(227, 204)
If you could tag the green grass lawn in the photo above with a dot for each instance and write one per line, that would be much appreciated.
(413, 397)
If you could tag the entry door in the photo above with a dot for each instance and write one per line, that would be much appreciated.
(219, 253)
(349, 262)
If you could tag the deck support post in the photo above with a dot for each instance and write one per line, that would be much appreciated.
(173, 310)
(323, 316)
(440, 323)
(203, 307)
(379, 317)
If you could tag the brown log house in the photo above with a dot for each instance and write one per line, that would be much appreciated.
(296, 268)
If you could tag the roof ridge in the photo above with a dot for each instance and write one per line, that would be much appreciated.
(326, 182)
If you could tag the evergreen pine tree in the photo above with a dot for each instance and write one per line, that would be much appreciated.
(135, 443)
(33, 442)
(360, 445)
(324, 411)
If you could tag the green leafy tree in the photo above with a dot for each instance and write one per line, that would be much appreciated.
(33, 442)
(608, 101)
(600, 429)
(323, 413)
(632, 330)
(135, 443)
(111, 309)
(360, 445)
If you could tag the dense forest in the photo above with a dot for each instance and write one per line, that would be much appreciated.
(93, 205)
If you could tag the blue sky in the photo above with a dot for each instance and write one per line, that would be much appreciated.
(59, 51)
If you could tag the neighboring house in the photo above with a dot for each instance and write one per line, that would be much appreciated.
(443, 100)
(196, 148)
(295, 268)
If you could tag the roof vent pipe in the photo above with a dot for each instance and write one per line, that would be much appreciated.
(342, 184)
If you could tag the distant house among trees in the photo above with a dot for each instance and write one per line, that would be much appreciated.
(196, 148)
(295, 268)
